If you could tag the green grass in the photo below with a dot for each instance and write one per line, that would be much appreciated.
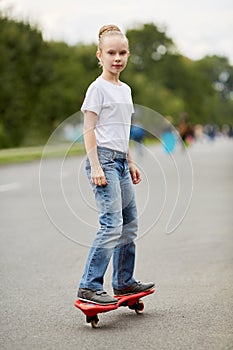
(28, 154)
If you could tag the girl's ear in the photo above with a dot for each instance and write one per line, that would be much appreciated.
(98, 55)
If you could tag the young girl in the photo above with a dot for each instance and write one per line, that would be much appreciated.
(107, 109)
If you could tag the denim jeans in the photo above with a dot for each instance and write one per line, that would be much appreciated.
(117, 212)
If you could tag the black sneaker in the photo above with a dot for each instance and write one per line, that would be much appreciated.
(136, 287)
(96, 296)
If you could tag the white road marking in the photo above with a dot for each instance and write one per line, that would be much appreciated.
(10, 187)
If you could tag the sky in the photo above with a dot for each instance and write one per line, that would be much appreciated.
(198, 28)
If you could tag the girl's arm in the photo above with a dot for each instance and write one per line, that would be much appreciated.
(134, 171)
(97, 174)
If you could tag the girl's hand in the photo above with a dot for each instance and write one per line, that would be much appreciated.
(97, 176)
(135, 174)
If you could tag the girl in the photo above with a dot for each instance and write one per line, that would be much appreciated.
(107, 109)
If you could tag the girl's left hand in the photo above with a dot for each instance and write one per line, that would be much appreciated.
(135, 174)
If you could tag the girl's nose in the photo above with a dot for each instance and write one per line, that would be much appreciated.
(117, 57)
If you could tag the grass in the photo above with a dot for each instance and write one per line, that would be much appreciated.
(28, 154)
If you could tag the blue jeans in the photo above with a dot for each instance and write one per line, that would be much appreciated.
(117, 212)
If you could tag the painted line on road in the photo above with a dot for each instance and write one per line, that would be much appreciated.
(10, 187)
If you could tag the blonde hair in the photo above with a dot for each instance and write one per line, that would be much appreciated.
(108, 30)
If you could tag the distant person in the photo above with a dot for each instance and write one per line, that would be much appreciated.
(168, 137)
(230, 131)
(107, 109)
(211, 131)
(186, 130)
(137, 134)
(198, 132)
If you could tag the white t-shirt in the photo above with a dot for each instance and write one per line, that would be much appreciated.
(114, 107)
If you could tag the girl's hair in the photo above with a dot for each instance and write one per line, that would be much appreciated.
(108, 30)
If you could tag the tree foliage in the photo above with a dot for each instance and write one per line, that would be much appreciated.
(42, 83)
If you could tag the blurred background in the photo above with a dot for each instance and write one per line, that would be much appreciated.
(45, 74)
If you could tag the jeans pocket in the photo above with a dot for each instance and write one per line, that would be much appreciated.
(106, 160)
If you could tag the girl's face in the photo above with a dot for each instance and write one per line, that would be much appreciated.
(114, 54)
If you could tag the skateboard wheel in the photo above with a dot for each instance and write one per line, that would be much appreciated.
(93, 321)
(138, 307)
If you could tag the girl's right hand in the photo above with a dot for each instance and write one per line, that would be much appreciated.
(97, 176)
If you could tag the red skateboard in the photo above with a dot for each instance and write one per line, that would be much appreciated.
(92, 310)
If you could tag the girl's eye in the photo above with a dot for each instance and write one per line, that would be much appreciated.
(122, 53)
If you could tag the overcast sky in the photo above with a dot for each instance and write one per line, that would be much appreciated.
(198, 28)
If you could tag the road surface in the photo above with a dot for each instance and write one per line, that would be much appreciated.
(48, 220)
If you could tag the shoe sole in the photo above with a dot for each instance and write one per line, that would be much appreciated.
(97, 302)
(133, 293)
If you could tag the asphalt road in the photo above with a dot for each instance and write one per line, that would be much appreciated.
(48, 220)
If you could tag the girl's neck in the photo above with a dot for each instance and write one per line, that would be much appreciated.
(111, 78)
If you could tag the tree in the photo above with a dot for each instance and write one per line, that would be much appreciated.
(42, 83)
(23, 74)
(148, 45)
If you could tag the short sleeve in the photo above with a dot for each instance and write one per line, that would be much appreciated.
(93, 100)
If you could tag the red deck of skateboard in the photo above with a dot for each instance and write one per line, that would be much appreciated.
(91, 309)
